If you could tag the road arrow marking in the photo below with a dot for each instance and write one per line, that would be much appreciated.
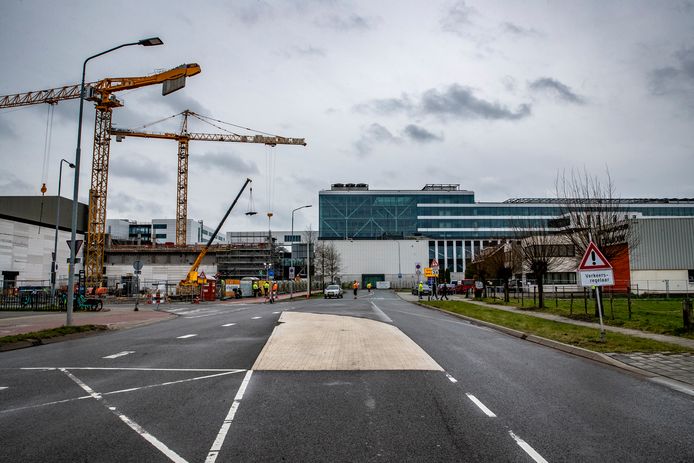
(119, 354)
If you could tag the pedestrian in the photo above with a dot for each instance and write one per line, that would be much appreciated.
(256, 289)
(274, 290)
(266, 289)
(420, 290)
(444, 292)
(355, 286)
(433, 291)
(368, 287)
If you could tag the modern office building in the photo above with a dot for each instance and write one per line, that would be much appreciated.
(455, 225)
(160, 231)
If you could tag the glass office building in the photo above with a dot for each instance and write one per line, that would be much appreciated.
(456, 226)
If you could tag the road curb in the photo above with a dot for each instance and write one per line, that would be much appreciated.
(579, 351)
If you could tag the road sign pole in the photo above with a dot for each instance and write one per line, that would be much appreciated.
(602, 327)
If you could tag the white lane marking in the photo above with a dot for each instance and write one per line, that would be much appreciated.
(380, 314)
(528, 449)
(119, 354)
(234, 370)
(229, 324)
(451, 379)
(275, 313)
(482, 407)
(186, 336)
(219, 440)
(173, 456)
(3, 388)
(231, 372)
(255, 318)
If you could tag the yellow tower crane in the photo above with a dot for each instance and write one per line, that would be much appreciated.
(183, 138)
(102, 94)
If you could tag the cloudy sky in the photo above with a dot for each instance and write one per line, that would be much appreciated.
(496, 96)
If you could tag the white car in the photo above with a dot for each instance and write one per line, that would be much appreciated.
(332, 291)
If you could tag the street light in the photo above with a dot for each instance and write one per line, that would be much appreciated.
(399, 271)
(150, 42)
(291, 283)
(54, 270)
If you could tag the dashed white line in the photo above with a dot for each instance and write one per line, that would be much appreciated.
(451, 379)
(119, 354)
(219, 441)
(186, 336)
(229, 324)
(2, 388)
(528, 449)
(275, 313)
(255, 318)
(482, 407)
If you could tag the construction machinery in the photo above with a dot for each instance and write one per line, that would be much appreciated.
(183, 139)
(102, 94)
(192, 279)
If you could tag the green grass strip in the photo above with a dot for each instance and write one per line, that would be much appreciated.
(579, 336)
(52, 333)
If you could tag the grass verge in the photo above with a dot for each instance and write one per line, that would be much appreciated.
(52, 333)
(579, 336)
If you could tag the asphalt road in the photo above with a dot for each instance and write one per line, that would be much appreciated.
(182, 390)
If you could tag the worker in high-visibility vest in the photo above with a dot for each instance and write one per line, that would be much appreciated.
(266, 288)
(256, 288)
(355, 287)
(420, 289)
(368, 287)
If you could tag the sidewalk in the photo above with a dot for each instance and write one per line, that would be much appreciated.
(115, 316)
(673, 366)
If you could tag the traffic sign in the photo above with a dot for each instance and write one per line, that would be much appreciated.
(604, 277)
(137, 265)
(593, 259)
(434, 263)
(291, 273)
(78, 245)
(271, 274)
(430, 272)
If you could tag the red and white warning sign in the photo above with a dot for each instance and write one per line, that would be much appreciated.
(595, 269)
(434, 263)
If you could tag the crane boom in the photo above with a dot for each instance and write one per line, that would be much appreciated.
(183, 138)
(103, 87)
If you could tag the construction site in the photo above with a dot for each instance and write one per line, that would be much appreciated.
(104, 265)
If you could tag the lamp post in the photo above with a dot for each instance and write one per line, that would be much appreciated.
(153, 41)
(54, 270)
(291, 283)
(399, 270)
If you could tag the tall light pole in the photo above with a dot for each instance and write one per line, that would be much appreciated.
(54, 270)
(153, 41)
(291, 283)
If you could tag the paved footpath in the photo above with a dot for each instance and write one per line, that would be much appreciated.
(670, 365)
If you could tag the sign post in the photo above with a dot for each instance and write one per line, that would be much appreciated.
(594, 270)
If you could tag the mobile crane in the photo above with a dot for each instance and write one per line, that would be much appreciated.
(102, 94)
(183, 138)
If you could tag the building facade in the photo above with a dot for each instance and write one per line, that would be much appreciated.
(455, 225)
(160, 231)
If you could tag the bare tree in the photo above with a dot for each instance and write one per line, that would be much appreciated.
(328, 261)
(590, 210)
(537, 249)
(496, 262)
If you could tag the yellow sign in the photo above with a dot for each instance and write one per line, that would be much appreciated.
(431, 272)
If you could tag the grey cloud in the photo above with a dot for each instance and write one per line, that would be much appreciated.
(374, 134)
(12, 185)
(455, 101)
(126, 205)
(346, 23)
(675, 80)
(310, 51)
(386, 105)
(558, 89)
(225, 161)
(139, 168)
(6, 129)
(459, 102)
(519, 31)
(178, 102)
(456, 17)
(420, 134)
(254, 12)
